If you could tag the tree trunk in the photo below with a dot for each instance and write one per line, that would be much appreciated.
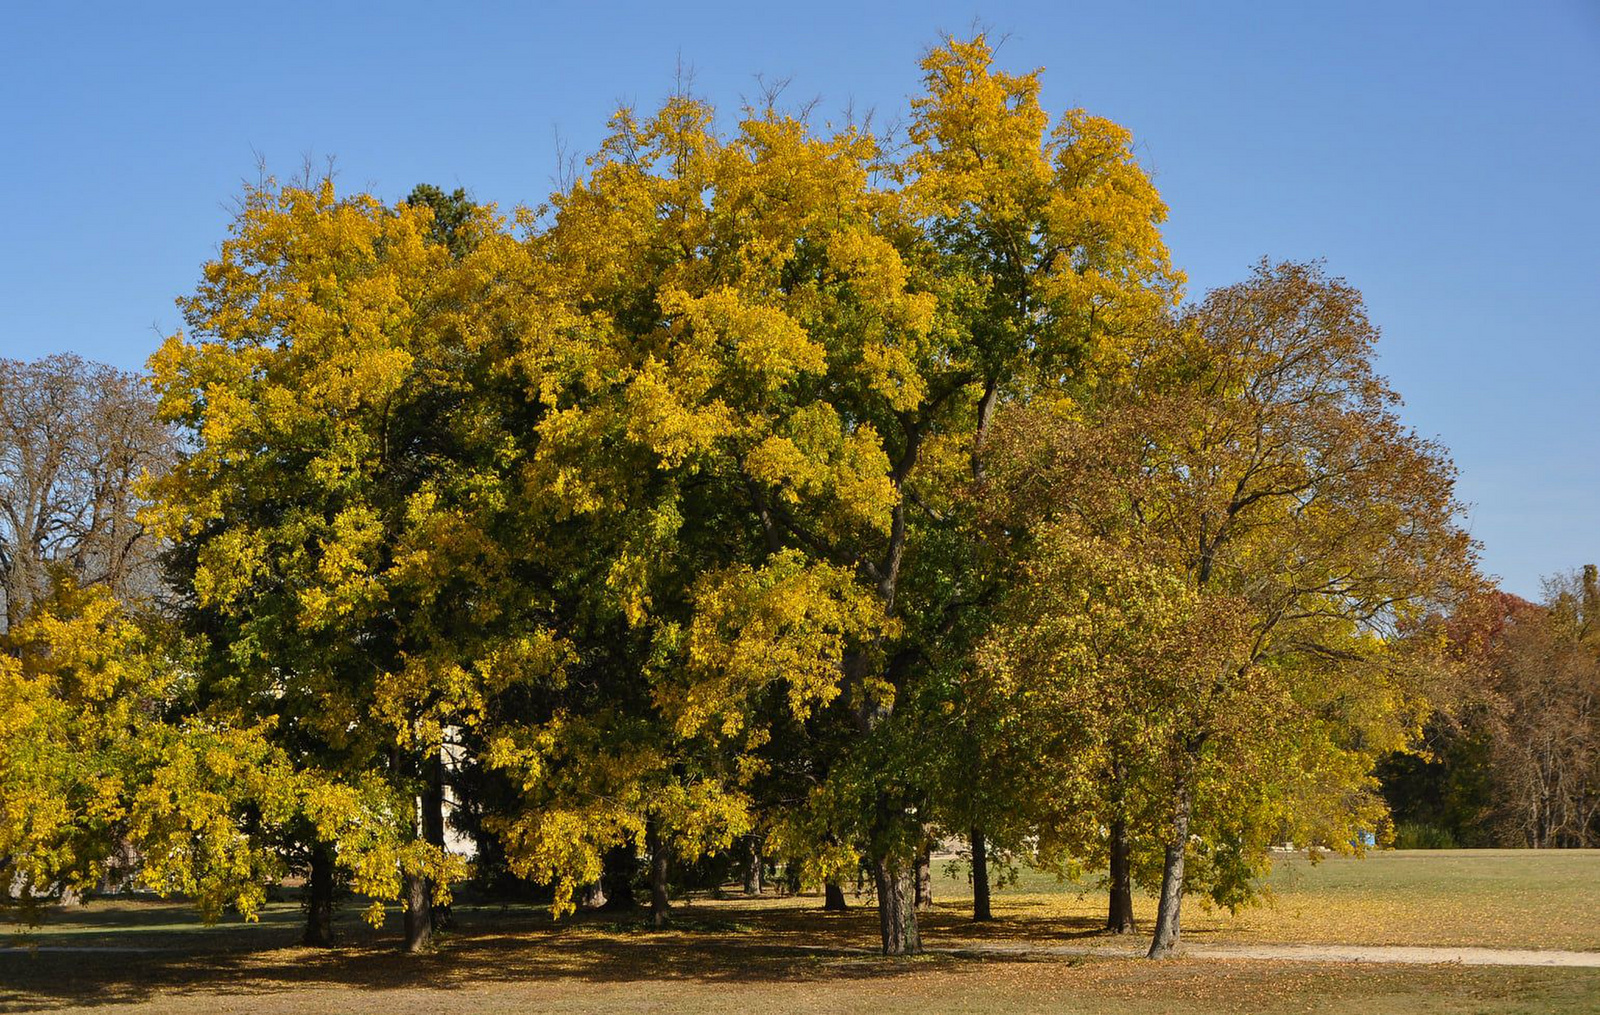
(433, 826)
(924, 882)
(753, 865)
(419, 913)
(980, 876)
(319, 898)
(658, 874)
(1119, 914)
(833, 898)
(592, 896)
(1166, 933)
(897, 914)
(618, 867)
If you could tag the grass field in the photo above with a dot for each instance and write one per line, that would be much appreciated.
(783, 955)
(1489, 898)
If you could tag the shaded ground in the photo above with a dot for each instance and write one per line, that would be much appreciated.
(783, 954)
(594, 969)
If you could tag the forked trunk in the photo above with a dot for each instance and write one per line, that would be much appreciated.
(897, 914)
(319, 898)
(419, 913)
(833, 898)
(924, 882)
(1166, 933)
(1119, 915)
(980, 876)
(658, 874)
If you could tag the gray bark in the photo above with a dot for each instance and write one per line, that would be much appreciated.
(753, 866)
(419, 913)
(924, 882)
(1119, 911)
(897, 916)
(1171, 902)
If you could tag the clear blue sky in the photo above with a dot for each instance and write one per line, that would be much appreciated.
(1445, 158)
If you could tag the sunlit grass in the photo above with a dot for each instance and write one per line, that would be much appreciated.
(1487, 898)
(782, 954)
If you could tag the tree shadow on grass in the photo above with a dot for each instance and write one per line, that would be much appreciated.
(707, 944)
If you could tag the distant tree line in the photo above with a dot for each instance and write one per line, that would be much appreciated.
(1512, 756)
(779, 497)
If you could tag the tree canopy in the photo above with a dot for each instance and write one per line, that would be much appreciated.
(778, 487)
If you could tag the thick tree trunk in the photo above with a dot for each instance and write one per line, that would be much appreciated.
(980, 876)
(658, 874)
(833, 898)
(419, 913)
(433, 827)
(1166, 933)
(897, 914)
(618, 867)
(1119, 913)
(319, 898)
(753, 865)
(592, 896)
(924, 882)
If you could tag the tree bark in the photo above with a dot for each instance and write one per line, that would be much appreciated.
(1166, 933)
(592, 896)
(1119, 912)
(980, 876)
(616, 879)
(833, 898)
(897, 914)
(753, 866)
(319, 898)
(658, 874)
(924, 882)
(419, 913)
(433, 827)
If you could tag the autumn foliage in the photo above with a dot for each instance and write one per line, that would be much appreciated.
(783, 491)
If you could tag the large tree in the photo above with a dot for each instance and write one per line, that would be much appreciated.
(798, 336)
(76, 438)
(333, 527)
(1254, 457)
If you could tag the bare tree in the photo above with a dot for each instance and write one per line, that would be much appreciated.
(76, 438)
(1544, 717)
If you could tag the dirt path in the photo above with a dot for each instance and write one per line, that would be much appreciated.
(1396, 954)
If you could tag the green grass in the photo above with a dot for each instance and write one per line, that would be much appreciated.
(783, 955)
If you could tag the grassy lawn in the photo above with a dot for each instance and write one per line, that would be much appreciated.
(1488, 898)
(784, 955)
